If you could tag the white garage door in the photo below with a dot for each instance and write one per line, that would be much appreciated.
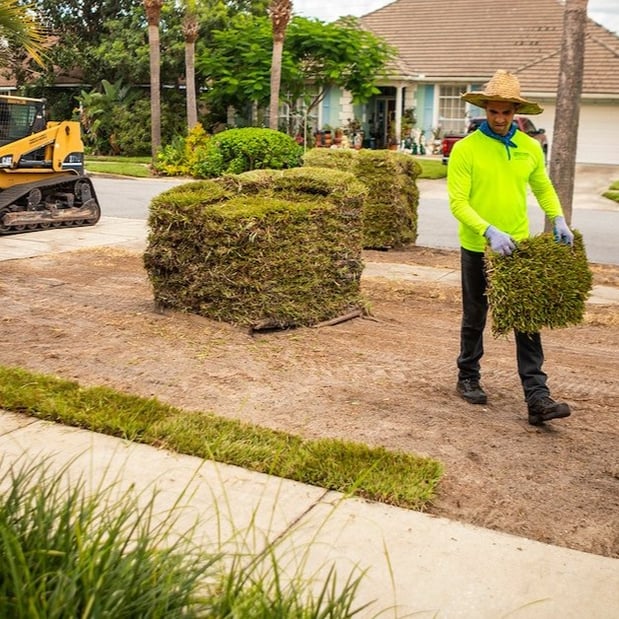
(598, 132)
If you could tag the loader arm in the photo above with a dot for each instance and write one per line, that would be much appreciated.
(56, 149)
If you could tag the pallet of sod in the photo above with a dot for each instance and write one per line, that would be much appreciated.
(542, 284)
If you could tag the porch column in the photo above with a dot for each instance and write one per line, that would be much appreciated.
(398, 113)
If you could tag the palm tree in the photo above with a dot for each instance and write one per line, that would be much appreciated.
(280, 11)
(565, 135)
(153, 14)
(191, 28)
(18, 25)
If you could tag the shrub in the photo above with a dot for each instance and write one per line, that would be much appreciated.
(180, 156)
(240, 150)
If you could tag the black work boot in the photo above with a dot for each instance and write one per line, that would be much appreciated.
(471, 391)
(546, 409)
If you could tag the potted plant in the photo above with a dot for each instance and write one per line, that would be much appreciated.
(355, 133)
(337, 136)
(327, 135)
(392, 143)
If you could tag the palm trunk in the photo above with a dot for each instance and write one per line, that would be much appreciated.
(565, 136)
(190, 85)
(276, 76)
(155, 88)
(153, 14)
(280, 11)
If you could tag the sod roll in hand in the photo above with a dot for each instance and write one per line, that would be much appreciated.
(542, 284)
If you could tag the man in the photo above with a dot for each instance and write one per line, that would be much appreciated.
(488, 175)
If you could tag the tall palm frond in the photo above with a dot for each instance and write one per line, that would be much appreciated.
(18, 27)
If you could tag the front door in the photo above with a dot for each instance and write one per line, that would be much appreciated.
(381, 118)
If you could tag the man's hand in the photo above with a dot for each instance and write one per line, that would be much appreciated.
(500, 242)
(561, 231)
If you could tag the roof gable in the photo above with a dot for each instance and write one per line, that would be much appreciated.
(467, 40)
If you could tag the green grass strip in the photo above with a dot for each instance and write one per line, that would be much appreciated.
(137, 170)
(140, 166)
(396, 478)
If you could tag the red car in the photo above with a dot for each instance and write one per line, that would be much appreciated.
(524, 124)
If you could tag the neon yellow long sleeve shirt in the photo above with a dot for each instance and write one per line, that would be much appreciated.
(486, 187)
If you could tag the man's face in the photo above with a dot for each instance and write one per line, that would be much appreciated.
(500, 115)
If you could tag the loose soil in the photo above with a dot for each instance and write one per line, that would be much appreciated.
(387, 379)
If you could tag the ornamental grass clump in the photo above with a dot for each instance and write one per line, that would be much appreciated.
(542, 284)
(390, 210)
(68, 551)
(264, 249)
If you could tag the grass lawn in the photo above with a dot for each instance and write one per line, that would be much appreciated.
(140, 166)
(125, 166)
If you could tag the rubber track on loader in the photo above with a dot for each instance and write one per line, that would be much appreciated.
(8, 196)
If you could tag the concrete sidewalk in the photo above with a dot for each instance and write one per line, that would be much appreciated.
(131, 234)
(417, 565)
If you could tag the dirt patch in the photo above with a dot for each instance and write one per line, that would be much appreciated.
(385, 380)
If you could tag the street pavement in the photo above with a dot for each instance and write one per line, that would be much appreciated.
(415, 564)
(132, 233)
(596, 217)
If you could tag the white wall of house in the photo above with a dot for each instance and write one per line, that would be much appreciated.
(598, 131)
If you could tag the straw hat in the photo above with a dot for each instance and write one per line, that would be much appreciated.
(504, 86)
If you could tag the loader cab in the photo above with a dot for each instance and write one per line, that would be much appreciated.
(20, 117)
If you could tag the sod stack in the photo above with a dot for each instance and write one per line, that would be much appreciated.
(263, 249)
(390, 211)
(542, 284)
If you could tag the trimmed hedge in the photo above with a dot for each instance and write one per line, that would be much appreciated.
(240, 150)
(390, 211)
(264, 249)
(542, 284)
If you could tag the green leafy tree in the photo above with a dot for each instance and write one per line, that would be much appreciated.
(108, 39)
(238, 66)
(78, 27)
(99, 110)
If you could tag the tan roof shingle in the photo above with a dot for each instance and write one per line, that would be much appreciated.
(467, 40)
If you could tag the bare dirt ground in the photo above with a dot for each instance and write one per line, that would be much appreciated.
(387, 380)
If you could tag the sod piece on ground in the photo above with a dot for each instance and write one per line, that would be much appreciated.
(390, 210)
(264, 249)
(542, 284)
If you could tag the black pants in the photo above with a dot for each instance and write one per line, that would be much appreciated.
(529, 352)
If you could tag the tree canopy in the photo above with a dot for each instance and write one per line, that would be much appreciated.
(237, 67)
(98, 42)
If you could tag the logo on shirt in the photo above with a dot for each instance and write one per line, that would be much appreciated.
(519, 155)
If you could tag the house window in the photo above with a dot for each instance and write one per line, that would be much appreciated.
(451, 109)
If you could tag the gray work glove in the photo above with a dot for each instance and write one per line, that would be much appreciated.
(561, 231)
(500, 242)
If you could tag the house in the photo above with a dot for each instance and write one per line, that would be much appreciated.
(446, 47)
